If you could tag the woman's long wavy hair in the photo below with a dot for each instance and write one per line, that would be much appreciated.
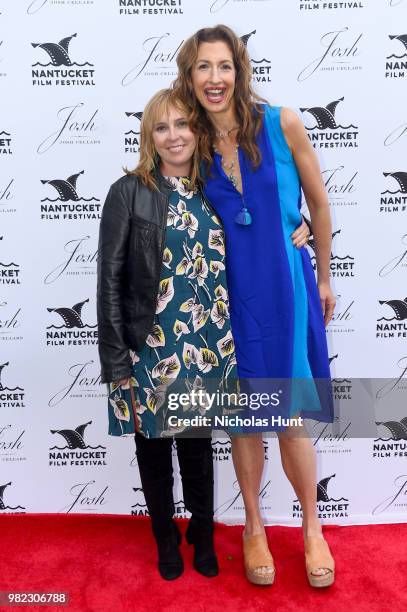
(247, 102)
(157, 110)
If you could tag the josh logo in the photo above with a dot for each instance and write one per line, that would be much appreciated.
(340, 51)
(397, 500)
(7, 504)
(85, 497)
(72, 331)
(150, 7)
(236, 504)
(325, 132)
(83, 381)
(392, 441)
(5, 143)
(7, 196)
(10, 322)
(139, 508)
(75, 452)
(341, 186)
(398, 262)
(328, 507)
(262, 67)
(396, 63)
(393, 385)
(396, 135)
(333, 438)
(222, 451)
(329, 6)
(9, 270)
(63, 72)
(11, 443)
(68, 205)
(394, 200)
(158, 59)
(132, 136)
(74, 125)
(36, 5)
(394, 326)
(341, 321)
(341, 266)
(10, 397)
(79, 259)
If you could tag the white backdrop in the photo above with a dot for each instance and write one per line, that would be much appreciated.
(71, 112)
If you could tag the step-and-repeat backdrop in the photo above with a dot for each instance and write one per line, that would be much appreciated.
(74, 78)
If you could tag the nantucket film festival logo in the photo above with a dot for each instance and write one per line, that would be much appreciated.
(324, 130)
(222, 450)
(329, 6)
(396, 62)
(393, 322)
(341, 391)
(150, 7)
(68, 203)
(132, 136)
(12, 438)
(10, 322)
(79, 381)
(341, 185)
(139, 508)
(10, 272)
(394, 198)
(261, 68)
(8, 504)
(11, 395)
(340, 51)
(34, 6)
(340, 266)
(6, 143)
(60, 70)
(328, 507)
(392, 441)
(73, 125)
(69, 327)
(77, 258)
(157, 58)
(7, 205)
(73, 450)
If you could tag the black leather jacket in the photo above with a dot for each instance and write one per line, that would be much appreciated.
(131, 244)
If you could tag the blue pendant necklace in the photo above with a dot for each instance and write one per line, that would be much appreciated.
(243, 217)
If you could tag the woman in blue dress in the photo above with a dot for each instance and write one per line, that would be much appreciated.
(256, 159)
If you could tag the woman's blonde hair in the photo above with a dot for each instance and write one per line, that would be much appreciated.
(247, 103)
(157, 108)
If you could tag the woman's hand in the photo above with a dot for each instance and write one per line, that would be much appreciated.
(328, 301)
(301, 235)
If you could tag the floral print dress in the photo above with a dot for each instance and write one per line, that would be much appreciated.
(190, 344)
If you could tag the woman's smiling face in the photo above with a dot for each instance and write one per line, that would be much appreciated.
(214, 76)
(174, 142)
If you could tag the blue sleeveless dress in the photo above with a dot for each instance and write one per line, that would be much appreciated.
(275, 309)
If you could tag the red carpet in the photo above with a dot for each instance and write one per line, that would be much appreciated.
(108, 563)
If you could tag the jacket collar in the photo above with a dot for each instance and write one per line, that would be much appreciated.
(163, 185)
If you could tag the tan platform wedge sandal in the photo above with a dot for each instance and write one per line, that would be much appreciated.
(256, 555)
(318, 556)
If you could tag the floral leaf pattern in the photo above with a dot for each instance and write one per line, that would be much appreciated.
(192, 304)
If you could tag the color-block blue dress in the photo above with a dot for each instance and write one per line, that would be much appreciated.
(275, 309)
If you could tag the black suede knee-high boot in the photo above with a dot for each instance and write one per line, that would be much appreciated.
(156, 474)
(196, 467)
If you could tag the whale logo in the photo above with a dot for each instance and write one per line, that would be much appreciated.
(2, 387)
(245, 40)
(58, 53)
(399, 308)
(311, 242)
(74, 438)
(325, 116)
(322, 491)
(397, 429)
(402, 38)
(401, 178)
(137, 115)
(2, 504)
(66, 189)
(72, 317)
